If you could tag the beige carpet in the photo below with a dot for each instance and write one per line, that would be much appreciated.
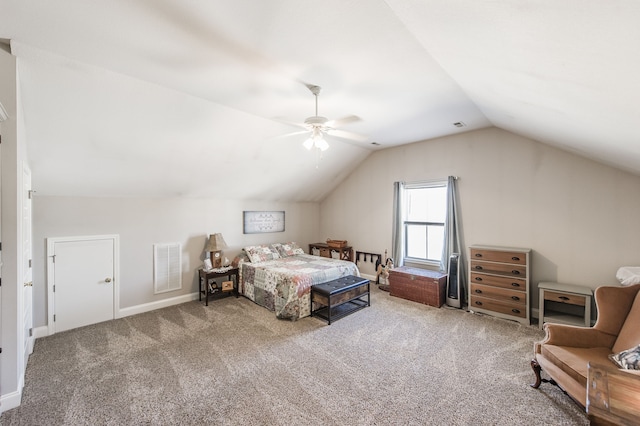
(233, 362)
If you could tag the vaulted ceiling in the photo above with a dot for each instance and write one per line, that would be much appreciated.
(192, 98)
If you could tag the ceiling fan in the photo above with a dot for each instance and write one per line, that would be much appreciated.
(318, 126)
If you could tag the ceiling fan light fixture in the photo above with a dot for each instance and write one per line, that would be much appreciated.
(308, 143)
(321, 144)
(316, 141)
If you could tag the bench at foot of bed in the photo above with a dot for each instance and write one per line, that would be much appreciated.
(340, 297)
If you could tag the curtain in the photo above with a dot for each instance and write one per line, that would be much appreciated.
(452, 235)
(397, 243)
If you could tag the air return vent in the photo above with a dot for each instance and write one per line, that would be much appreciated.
(167, 267)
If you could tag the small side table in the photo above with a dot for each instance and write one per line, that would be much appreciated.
(206, 276)
(570, 304)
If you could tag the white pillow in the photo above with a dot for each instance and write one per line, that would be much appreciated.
(628, 275)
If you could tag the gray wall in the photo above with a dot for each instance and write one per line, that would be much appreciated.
(578, 216)
(140, 223)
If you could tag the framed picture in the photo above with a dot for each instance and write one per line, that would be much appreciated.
(257, 222)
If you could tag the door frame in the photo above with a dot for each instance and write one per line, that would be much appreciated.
(28, 338)
(51, 242)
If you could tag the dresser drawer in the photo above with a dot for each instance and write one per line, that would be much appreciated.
(498, 293)
(507, 308)
(519, 284)
(499, 268)
(571, 299)
(499, 256)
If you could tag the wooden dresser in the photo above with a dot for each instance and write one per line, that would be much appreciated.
(499, 282)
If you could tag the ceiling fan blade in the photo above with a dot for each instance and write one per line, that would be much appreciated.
(286, 135)
(339, 122)
(347, 135)
(290, 123)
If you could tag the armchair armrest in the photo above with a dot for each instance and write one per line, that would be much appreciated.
(576, 337)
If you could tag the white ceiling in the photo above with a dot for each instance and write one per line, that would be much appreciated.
(187, 98)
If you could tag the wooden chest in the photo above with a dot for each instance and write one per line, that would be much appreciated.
(418, 285)
(499, 282)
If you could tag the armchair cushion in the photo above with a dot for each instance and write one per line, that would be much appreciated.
(574, 361)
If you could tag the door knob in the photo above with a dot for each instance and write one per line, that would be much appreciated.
(107, 280)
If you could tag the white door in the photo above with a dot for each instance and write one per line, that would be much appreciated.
(27, 286)
(83, 284)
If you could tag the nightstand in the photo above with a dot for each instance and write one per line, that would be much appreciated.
(214, 289)
(564, 304)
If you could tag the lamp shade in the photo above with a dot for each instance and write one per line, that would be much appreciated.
(216, 242)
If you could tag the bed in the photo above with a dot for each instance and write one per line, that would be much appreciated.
(279, 277)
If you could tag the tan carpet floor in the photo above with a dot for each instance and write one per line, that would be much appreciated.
(233, 363)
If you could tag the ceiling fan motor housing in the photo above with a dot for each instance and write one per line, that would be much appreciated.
(316, 121)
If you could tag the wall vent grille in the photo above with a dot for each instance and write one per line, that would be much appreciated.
(167, 267)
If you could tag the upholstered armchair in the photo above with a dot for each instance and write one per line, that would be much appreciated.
(566, 351)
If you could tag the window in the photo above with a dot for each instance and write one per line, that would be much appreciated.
(425, 213)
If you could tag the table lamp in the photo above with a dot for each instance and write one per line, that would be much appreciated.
(214, 247)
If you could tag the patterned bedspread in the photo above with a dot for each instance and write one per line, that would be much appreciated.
(284, 285)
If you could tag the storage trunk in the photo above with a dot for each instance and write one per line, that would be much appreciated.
(418, 285)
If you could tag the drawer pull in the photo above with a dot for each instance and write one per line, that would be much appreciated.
(516, 258)
(478, 291)
(515, 311)
(563, 298)
(515, 298)
(478, 279)
(478, 303)
(515, 272)
(478, 267)
(478, 254)
(515, 284)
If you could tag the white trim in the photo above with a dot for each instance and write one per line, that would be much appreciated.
(42, 331)
(369, 277)
(10, 400)
(535, 313)
(51, 279)
(45, 331)
(152, 306)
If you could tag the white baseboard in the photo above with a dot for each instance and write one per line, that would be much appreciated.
(41, 331)
(152, 306)
(369, 277)
(10, 400)
(535, 313)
